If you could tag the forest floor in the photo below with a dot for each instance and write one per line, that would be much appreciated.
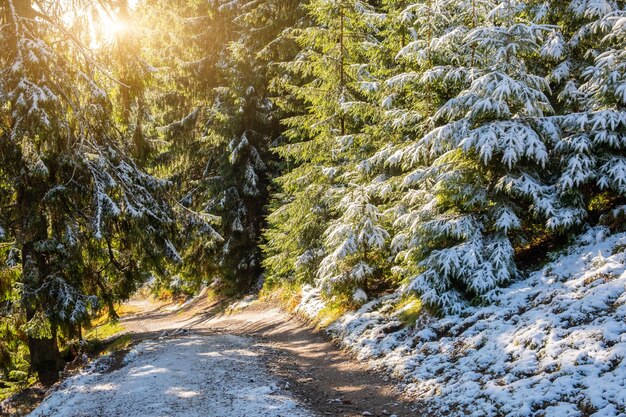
(203, 359)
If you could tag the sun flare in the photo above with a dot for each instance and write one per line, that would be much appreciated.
(107, 29)
(114, 28)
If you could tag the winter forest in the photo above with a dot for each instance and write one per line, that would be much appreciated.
(438, 184)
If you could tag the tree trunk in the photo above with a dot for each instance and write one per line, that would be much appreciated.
(45, 358)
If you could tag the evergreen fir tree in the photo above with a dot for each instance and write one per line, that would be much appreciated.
(431, 43)
(606, 87)
(488, 151)
(85, 223)
(323, 89)
(357, 245)
(187, 68)
(245, 123)
(219, 122)
(591, 117)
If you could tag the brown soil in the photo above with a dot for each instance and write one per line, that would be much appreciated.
(24, 401)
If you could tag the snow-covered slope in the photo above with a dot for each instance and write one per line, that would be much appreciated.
(553, 344)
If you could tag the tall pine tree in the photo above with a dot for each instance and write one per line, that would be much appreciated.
(322, 89)
(84, 222)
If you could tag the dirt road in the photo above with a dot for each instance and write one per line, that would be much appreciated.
(199, 360)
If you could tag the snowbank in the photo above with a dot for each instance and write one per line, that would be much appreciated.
(553, 344)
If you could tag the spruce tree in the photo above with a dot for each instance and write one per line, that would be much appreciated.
(85, 224)
(429, 41)
(322, 88)
(431, 35)
(589, 77)
(218, 121)
(488, 149)
(244, 122)
(606, 87)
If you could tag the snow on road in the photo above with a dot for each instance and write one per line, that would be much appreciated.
(191, 375)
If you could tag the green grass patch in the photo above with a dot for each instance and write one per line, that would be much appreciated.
(9, 388)
(105, 338)
(119, 343)
(287, 295)
(104, 330)
(409, 309)
(336, 307)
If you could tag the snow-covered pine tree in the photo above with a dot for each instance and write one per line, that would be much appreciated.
(589, 76)
(85, 225)
(488, 150)
(322, 88)
(606, 86)
(431, 34)
(243, 123)
(427, 34)
(357, 246)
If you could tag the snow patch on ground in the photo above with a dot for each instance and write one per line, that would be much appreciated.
(179, 306)
(194, 375)
(311, 302)
(246, 302)
(550, 345)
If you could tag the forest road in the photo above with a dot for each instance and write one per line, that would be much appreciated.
(197, 360)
